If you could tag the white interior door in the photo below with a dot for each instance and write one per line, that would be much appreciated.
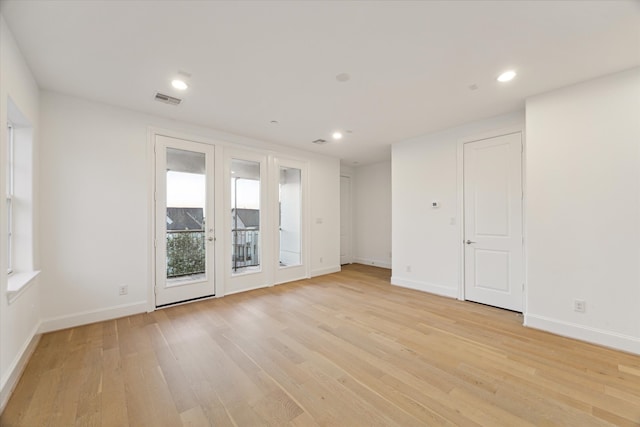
(493, 256)
(345, 220)
(184, 239)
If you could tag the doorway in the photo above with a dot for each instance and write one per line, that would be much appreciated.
(184, 210)
(493, 224)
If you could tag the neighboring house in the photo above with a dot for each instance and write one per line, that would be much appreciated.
(245, 225)
(248, 219)
(185, 219)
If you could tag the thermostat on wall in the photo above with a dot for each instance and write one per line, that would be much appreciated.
(435, 204)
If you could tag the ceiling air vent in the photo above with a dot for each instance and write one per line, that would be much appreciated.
(167, 99)
(320, 141)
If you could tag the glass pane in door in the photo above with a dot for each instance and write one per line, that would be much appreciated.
(245, 216)
(290, 216)
(186, 216)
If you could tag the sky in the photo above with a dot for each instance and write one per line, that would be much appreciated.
(187, 190)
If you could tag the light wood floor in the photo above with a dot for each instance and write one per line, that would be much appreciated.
(346, 349)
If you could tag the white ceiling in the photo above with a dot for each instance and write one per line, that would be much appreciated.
(411, 63)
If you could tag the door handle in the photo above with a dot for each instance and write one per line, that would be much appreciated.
(468, 242)
(211, 239)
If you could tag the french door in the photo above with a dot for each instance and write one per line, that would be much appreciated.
(184, 225)
(291, 251)
(246, 229)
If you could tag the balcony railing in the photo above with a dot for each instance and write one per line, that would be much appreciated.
(186, 253)
(245, 248)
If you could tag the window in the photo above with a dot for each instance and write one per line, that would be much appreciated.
(19, 202)
(10, 193)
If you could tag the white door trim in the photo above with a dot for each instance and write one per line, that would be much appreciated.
(519, 128)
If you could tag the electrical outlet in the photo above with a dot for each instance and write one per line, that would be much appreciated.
(579, 305)
(408, 269)
(321, 260)
(123, 290)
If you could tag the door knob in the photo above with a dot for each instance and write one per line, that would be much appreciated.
(468, 242)
(211, 239)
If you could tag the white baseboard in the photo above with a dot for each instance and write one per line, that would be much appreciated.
(374, 262)
(584, 333)
(14, 372)
(425, 287)
(323, 271)
(93, 316)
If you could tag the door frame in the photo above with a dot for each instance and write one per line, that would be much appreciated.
(517, 128)
(218, 276)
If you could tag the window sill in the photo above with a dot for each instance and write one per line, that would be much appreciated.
(19, 283)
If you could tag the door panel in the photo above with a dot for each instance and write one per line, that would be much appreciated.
(184, 209)
(492, 270)
(494, 263)
(246, 250)
(290, 224)
(291, 263)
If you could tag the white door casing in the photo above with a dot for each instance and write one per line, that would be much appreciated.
(493, 221)
(170, 291)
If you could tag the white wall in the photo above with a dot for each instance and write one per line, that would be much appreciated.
(324, 188)
(20, 319)
(583, 210)
(371, 200)
(426, 241)
(96, 172)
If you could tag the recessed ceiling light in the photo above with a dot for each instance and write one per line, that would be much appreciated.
(343, 77)
(337, 135)
(506, 76)
(274, 122)
(179, 84)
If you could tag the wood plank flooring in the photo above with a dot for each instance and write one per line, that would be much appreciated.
(346, 349)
